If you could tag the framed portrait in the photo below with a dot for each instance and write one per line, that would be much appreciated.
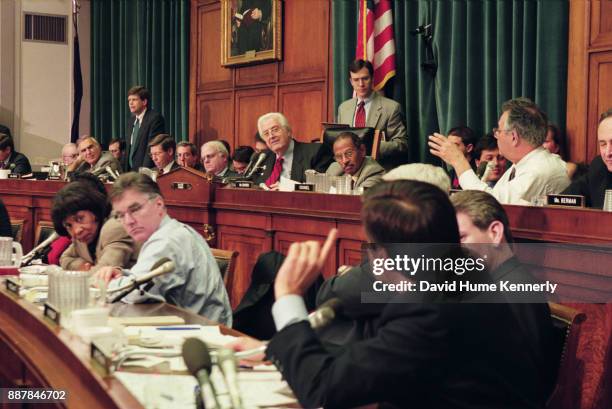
(251, 31)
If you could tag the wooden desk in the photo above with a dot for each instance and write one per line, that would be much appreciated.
(254, 221)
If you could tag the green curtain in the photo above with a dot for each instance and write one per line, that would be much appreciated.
(486, 52)
(139, 42)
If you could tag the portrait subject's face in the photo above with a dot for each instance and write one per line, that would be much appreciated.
(139, 213)
(348, 156)
(136, 104)
(161, 157)
(493, 156)
(185, 158)
(361, 82)
(115, 150)
(90, 151)
(277, 137)
(214, 161)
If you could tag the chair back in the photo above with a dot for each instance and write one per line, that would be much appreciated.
(43, 231)
(567, 322)
(369, 136)
(226, 260)
(17, 229)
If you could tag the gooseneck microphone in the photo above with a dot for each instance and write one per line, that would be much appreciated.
(262, 157)
(198, 362)
(38, 250)
(163, 266)
(226, 361)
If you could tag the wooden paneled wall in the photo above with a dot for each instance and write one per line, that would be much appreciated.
(589, 91)
(226, 102)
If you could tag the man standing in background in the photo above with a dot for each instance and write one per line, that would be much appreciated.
(146, 124)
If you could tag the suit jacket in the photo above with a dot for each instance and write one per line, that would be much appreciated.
(384, 114)
(423, 355)
(593, 185)
(367, 176)
(5, 222)
(152, 124)
(306, 156)
(114, 248)
(99, 168)
(21, 162)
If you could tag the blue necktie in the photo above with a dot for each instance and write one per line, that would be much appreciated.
(133, 140)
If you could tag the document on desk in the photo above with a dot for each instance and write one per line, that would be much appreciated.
(261, 388)
(286, 184)
(175, 335)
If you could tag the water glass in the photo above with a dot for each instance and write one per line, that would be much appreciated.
(68, 290)
(607, 207)
(7, 245)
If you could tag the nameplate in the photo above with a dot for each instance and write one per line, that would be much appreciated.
(100, 358)
(14, 176)
(304, 187)
(52, 313)
(12, 286)
(242, 184)
(565, 200)
(54, 178)
(181, 186)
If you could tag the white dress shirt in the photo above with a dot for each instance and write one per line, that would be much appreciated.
(537, 173)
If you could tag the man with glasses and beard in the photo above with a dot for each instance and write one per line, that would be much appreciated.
(196, 283)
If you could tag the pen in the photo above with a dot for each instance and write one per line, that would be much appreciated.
(177, 328)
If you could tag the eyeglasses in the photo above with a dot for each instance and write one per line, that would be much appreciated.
(497, 131)
(274, 130)
(348, 154)
(133, 210)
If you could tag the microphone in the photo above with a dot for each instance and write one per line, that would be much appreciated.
(38, 250)
(252, 160)
(198, 362)
(226, 361)
(112, 173)
(163, 266)
(260, 159)
(325, 314)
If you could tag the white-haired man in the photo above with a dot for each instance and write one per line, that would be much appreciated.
(215, 158)
(291, 158)
(423, 172)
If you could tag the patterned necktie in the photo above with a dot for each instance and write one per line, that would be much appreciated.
(276, 172)
(133, 139)
(512, 174)
(160, 171)
(360, 117)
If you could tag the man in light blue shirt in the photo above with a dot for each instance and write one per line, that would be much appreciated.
(196, 283)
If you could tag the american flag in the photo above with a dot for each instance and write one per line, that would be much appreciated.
(375, 40)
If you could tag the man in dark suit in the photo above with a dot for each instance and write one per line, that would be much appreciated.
(594, 184)
(146, 124)
(289, 158)
(161, 150)
(422, 354)
(10, 159)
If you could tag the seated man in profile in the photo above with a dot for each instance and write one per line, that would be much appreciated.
(10, 159)
(215, 158)
(196, 283)
(187, 156)
(91, 159)
(535, 171)
(161, 149)
(290, 158)
(487, 151)
(594, 184)
(351, 159)
(423, 353)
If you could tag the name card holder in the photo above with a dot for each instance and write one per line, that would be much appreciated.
(54, 178)
(14, 176)
(242, 184)
(565, 200)
(52, 313)
(100, 358)
(181, 186)
(304, 187)
(12, 286)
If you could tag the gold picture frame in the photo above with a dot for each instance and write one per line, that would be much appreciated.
(251, 31)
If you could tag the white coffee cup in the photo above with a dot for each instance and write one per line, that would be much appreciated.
(7, 258)
(4, 173)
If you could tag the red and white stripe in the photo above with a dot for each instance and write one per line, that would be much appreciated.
(375, 39)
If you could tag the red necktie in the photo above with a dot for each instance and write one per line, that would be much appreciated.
(360, 117)
(276, 172)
